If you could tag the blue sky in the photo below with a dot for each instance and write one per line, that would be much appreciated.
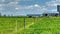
(23, 7)
(40, 2)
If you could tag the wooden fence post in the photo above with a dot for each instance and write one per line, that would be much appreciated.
(24, 23)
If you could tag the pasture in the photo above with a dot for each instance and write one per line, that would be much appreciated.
(41, 25)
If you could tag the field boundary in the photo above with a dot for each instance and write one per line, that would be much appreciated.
(22, 28)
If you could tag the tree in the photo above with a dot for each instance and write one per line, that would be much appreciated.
(0, 14)
(30, 16)
(46, 14)
(4, 15)
(56, 14)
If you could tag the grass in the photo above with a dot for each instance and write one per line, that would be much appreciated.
(42, 25)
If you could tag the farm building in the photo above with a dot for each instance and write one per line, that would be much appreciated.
(58, 9)
(34, 15)
(50, 14)
(44, 14)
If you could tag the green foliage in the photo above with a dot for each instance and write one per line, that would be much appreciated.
(42, 25)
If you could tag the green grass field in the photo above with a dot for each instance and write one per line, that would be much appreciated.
(42, 25)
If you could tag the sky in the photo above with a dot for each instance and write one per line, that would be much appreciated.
(24, 7)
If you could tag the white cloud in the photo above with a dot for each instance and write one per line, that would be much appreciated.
(58, 0)
(13, 3)
(17, 8)
(23, 0)
(54, 10)
(3, 0)
(53, 3)
(2, 6)
(51, 6)
(36, 5)
(33, 6)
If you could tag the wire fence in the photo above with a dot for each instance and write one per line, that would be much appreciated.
(6, 27)
(18, 25)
